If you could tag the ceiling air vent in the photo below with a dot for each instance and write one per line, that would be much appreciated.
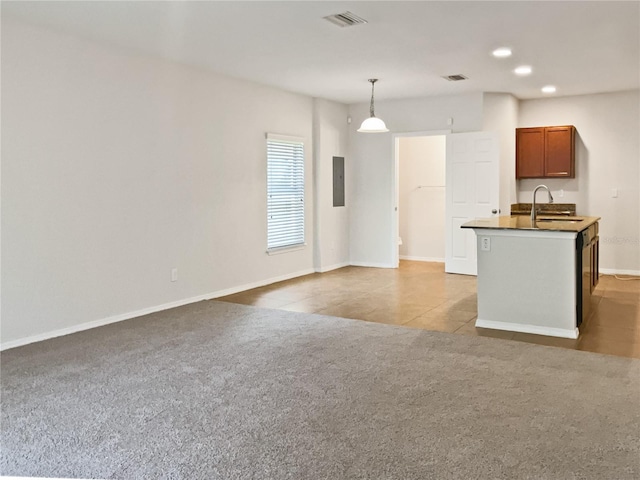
(346, 19)
(455, 78)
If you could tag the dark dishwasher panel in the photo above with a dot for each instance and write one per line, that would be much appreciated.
(584, 274)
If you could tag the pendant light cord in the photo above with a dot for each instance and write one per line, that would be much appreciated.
(373, 81)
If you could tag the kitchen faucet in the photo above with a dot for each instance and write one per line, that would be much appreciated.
(533, 204)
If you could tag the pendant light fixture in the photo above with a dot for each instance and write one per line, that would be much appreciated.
(373, 124)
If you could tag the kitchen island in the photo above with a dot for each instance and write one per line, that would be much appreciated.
(535, 277)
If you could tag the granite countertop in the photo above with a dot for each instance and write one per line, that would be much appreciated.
(544, 208)
(543, 223)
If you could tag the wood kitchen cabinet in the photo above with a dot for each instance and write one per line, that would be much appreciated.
(545, 152)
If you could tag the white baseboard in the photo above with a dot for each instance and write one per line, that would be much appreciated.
(261, 283)
(372, 265)
(535, 329)
(422, 259)
(145, 311)
(614, 271)
(98, 323)
(335, 266)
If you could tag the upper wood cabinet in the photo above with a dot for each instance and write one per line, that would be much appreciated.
(545, 152)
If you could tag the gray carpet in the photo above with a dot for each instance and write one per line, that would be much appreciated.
(217, 390)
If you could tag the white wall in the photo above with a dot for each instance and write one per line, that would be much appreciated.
(372, 226)
(332, 223)
(607, 157)
(118, 168)
(500, 115)
(422, 197)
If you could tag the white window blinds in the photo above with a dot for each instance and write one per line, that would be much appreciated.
(285, 191)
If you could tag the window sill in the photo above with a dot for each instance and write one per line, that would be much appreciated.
(292, 248)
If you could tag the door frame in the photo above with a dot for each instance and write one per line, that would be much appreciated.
(395, 194)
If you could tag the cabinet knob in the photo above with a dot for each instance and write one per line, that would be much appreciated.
(494, 211)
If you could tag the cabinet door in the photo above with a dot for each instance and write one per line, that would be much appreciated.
(530, 152)
(559, 152)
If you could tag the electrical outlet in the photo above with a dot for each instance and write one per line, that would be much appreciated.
(485, 244)
(174, 274)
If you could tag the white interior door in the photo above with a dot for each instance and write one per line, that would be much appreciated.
(472, 191)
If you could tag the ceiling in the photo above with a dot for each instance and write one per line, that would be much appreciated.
(581, 47)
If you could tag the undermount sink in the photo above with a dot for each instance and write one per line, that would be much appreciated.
(560, 219)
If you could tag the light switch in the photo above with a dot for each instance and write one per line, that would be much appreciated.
(614, 193)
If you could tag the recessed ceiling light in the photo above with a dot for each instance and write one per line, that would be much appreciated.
(502, 52)
(523, 70)
(549, 89)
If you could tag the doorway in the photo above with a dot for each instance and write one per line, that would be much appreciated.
(420, 161)
(471, 191)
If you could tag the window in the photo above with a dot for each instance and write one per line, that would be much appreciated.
(285, 192)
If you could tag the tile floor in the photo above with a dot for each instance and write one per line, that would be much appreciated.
(421, 295)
